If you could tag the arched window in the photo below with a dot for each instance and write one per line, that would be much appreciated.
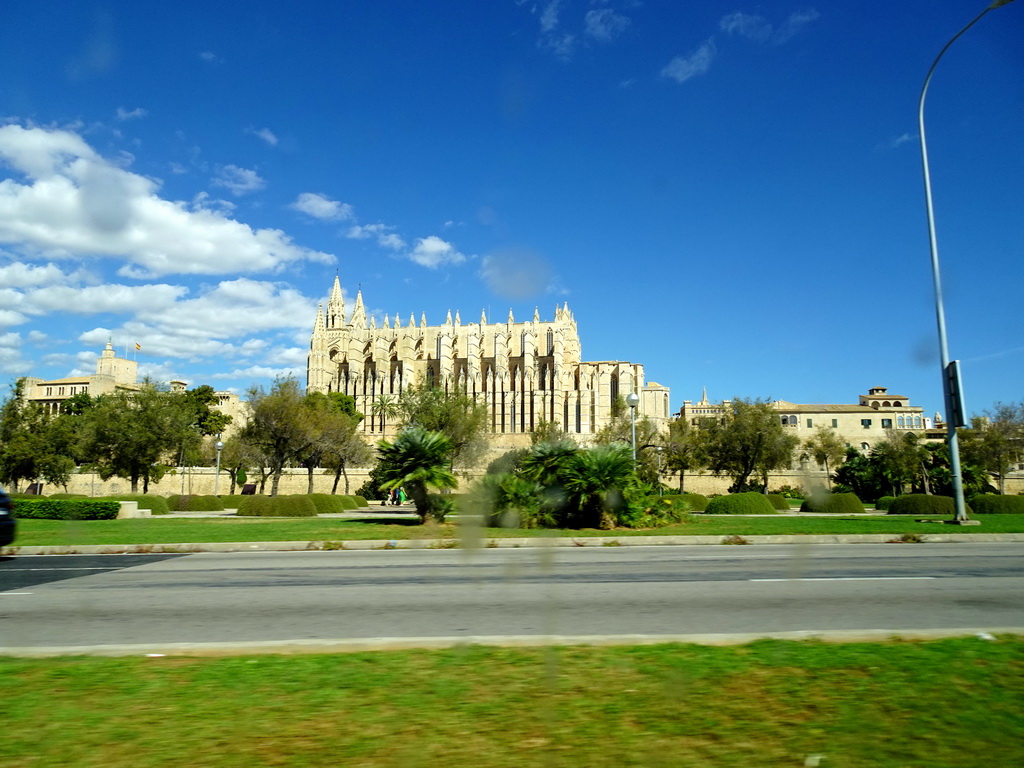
(864, 446)
(614, 389)
(899, 422)
(917, 422)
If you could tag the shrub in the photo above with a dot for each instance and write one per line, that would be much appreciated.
(326, 503)
(695, 501)
(749, 503)
(348, 503)
(361, 501)
(58, 496)
(789, 492)
(655, 511)
(778, 501)
(66, 509)
(884, 502)
(277, 506)
(833, 504)
(923, 504)
(994, 504)
(440, 505)
(202, 504)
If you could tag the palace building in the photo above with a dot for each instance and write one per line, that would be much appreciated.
(526, 372)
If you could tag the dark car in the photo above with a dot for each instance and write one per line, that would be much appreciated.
(7, 524)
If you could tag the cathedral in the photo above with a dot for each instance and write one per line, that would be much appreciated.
(526, 372)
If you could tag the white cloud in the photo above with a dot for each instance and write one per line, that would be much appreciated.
(758, 29)
(210, 57)
(238, 181)
(794, 25)
(77, 205)
(746, 25)
(605, 24)
(901, 140)
(132, 114)
(549, 16)
(322, 207)
(682, 68)
(386, 238)
(263, 133)
(432, 252)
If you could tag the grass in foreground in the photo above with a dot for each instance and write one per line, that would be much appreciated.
(948, 703)
(166, 530)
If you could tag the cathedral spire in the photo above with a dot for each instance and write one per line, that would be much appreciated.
(448, 320)
(536, 314)
(336, 306)
(358, 318)
(318, 324)
(483, 318)
(510, 318)
(458, 320)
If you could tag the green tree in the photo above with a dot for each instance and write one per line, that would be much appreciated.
(384, 408)
(684, 450)
(132, 434)
(200, 404)
(898, 460)
(995, 441)
(418, 460)
(596, 481)
(827, 448)
(748, 441)
(281, 426)
(456, 415)
(335, 444)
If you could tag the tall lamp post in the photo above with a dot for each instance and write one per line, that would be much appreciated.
(951, 388)
(659, 449)
(216, 480)
(632, 400)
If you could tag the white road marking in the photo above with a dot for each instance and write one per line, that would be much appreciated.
(857, 578)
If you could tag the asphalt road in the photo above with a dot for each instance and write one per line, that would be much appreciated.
(78, 600)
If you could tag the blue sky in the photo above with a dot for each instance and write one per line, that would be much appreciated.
(728, 193)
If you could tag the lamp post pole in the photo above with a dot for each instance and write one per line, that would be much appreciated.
(216, 480)
(951, 391)
(632, 400)
(659, 449)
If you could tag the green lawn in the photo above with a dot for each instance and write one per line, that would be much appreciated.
(170, 530)
(942, 704)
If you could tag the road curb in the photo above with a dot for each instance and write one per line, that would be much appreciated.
(359, 645)
(513, 543)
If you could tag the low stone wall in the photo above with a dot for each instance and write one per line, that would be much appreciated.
(201, 481)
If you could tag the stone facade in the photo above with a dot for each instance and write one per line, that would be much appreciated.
(525, 372)
(114, 374)
(861, 425)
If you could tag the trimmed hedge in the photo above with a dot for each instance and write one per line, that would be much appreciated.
(326, 503)
(276, 506)
(923, 504)
(778, 501)
(749, 503)
(883, 504)
(833, 504)
(66, 509)
(361, 501)
(697, 502)
(195, 503)
(994, 504)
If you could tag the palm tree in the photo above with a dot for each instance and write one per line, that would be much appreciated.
(384, 407)
(418, 459)
(595, 482)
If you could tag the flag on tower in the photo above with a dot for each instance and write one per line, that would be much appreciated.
(137, 347)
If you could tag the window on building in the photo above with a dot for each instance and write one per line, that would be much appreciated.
(866, 423)
(864, 446)
(835, 423)
(886, 423)
(810, 423)
(899, 422)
